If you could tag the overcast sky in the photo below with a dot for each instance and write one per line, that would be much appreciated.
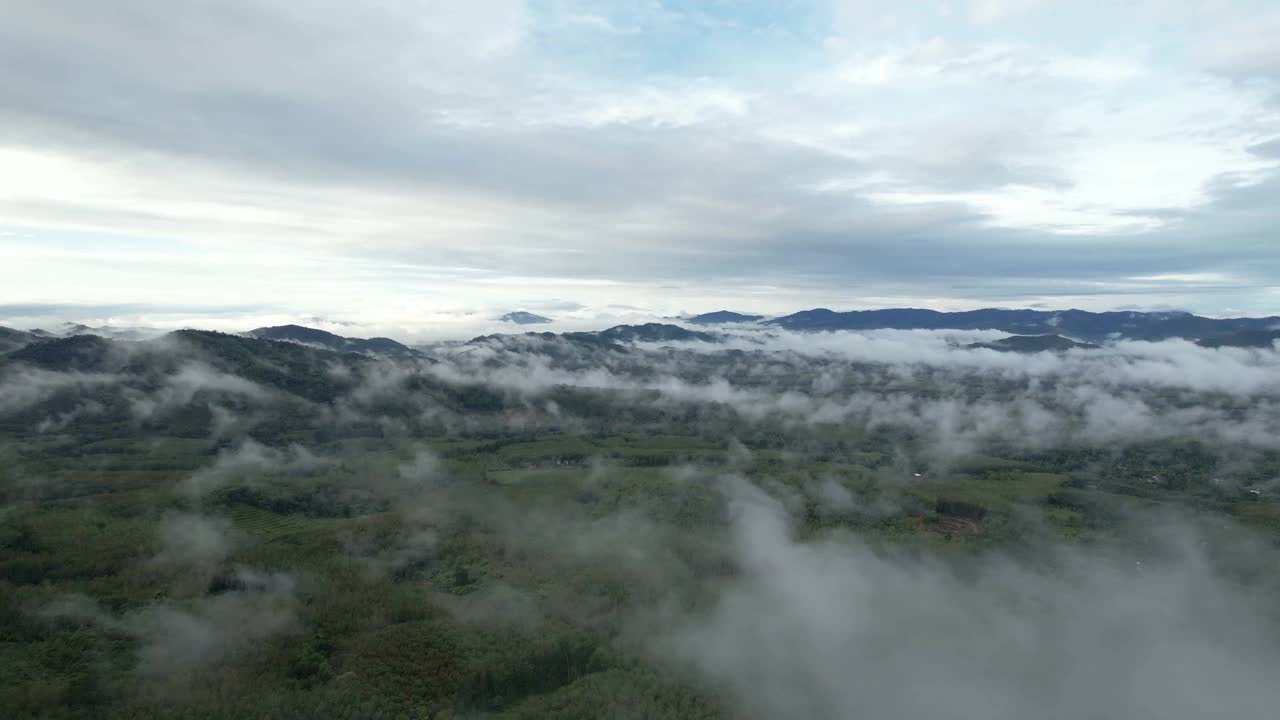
(395, 160)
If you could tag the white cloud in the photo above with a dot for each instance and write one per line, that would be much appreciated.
(541, 146)
(1202, 277)
(834, 629)
(1242, 47)
(992, 11)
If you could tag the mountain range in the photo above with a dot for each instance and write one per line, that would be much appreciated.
(329, 341)
(1071, 323)
(723, 317)
(1031, 330)
(1244, 338)
(521, 317)
(655, 332)
(1033, 344)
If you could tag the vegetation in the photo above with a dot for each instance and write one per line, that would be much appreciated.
(215, 526)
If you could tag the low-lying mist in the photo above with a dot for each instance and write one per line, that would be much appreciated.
(831, 629)
(828, 525)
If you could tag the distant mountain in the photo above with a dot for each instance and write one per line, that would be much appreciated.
(520, 317)
(1076, 323)
(78, 353)
(329, 341)
(1244, 339)
(11, 339)
(326, 321)
(721, 317)
(654, 332)
(298, 368)
(610, 339)
(70, 329)
(1034, 344)
(574, 348)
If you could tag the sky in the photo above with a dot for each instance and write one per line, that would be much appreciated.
(408, 162)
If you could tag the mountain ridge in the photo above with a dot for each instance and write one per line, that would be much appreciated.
(721, 317)
(1092, 326)
(303, 335)
(523, 317)
(1243, 339)
(1033, 344)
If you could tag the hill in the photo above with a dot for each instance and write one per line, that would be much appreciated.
(722, 317)
(11, 339)
(613, 339)
(78, 353)
(520, 317)
(532, 526)
(1244, 339)
(1077, 323)
(69, 329)
(1033, 344)
(654, 332)
(329, 341)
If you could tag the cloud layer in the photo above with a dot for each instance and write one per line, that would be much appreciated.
(498, 153)
(833, 630)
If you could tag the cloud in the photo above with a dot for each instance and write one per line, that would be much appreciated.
(24, 387)
(1124, 393)
(250, 455)
(912, 156)
(990, 11)
(190, 541)
(423, 469)
(1241, 47)
(780, 627)
(1270, 148)
(179, 389)
(175, 642)
(830, 629)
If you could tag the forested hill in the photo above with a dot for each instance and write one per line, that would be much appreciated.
(1033, 344)
(639, 523)
(330, 341)
(1074, 323)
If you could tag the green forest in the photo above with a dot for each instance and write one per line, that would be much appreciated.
(212, 526)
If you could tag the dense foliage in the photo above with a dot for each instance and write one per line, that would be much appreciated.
(216, 526)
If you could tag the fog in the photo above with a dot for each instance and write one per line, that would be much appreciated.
(779, 558)
(246, 458)
(830, 629)
(924, 380)
(176, 641)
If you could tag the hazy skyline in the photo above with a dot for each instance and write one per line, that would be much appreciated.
(423, 159)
